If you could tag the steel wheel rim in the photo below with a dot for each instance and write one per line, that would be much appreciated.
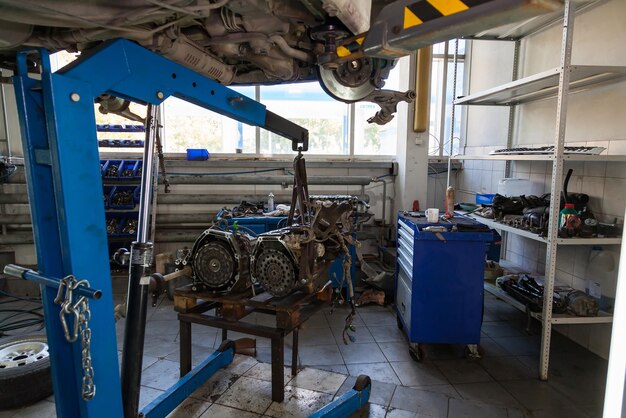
(22, 353)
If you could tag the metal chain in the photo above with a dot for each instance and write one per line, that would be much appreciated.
(81, 313)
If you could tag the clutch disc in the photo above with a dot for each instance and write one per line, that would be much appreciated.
(275, 272)
(214, 265)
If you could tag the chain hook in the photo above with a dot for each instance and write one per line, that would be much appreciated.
(79, 309)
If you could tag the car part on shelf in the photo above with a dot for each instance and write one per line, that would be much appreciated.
(581, 304)
(525, 289)
(220, 261)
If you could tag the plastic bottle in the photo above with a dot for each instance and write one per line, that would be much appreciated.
(270, 202)
(569, 221)
(450, 202)
(601, 275)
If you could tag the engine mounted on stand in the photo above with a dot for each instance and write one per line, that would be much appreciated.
(298, 257)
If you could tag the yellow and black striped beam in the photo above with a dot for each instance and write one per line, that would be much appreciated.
(350, 46)
(404, 26)
(415, 14)
(427, 10)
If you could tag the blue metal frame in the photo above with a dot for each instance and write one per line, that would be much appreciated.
(168, 401)
(58, 128)
(347, 404)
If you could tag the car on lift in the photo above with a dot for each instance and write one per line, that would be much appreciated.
(236, 42)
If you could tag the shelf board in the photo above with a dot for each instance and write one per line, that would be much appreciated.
(557, 319)
(532, 26)
(560, 319)
(544, 157)
(589, 241)
(497, 225)
(543, 85)
(526, 157)
(560, 241)
(496, 291)
(596, 158)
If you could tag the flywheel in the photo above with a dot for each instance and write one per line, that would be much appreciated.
(275, 272)
(214, 265)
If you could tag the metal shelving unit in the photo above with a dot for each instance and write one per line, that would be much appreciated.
(559, 241)
(558, 319)
(544, 157)
(549, 84)
(544, 85)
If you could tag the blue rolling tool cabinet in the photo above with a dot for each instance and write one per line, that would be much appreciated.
(439, 282)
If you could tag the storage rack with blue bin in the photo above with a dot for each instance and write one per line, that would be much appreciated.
(121, 179)
(439, 282)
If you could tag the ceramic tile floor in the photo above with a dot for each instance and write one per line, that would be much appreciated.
(502, 384)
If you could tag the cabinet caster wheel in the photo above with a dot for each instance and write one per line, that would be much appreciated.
(473, 352)
(416, 352)
(399, 322)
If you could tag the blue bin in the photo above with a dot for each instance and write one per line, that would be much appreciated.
(128, 203)
(484, 199)
(111, 169)
(197, 154)
(107, 195)
(127, 170)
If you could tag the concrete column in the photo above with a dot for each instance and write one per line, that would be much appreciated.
(412, 151)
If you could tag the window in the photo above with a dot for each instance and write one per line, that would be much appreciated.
(186, 125)
(309, 106)
(442, 95)
(372, 139)
(189, 126)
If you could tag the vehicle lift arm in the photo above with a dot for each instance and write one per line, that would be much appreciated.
(57, 122)
(404, 26)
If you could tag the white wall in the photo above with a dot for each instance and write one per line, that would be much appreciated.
(412, 151)
(596, 117)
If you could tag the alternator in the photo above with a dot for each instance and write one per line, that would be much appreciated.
(220, 261)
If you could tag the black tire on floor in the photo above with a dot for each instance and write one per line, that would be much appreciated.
(24, 370)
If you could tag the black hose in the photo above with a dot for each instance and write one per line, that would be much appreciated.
(565, 183)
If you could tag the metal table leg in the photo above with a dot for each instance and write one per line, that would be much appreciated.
(278, 364)
(294, 352)
(185, 347)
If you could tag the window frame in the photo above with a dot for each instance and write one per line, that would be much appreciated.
(441, 105)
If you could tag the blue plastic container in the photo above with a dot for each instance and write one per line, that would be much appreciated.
(129, 203)
(107, 195)
(127, 170)
(108, 170)
(197, 154)
(257, 224)
(484, 199)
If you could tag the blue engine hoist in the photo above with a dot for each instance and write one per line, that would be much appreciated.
(61, 158)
